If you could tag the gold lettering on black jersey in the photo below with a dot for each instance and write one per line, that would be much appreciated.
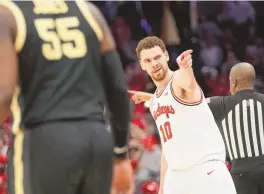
(50, 7)
(61, 37)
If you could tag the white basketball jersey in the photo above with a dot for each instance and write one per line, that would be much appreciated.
(188, 132)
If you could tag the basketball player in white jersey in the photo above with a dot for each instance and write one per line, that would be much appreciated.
(193, 151)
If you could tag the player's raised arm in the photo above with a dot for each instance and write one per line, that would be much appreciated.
(8, 64)
(184, 77)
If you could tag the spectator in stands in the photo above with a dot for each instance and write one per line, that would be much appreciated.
(221, 87)
(135, 151)
(211, 55)
(243, 15)
(137, 132)
(149, 164)
(254, 51)
(207, 26)
(3, 145)
(229, 62)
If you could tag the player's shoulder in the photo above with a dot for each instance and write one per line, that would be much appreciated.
(92, 6)
(95, 11)
(7, 12)
(8, 17)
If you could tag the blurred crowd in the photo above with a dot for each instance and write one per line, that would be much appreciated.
(5, 141)
(220, 33)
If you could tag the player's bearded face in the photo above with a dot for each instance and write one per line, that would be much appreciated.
(154, 62)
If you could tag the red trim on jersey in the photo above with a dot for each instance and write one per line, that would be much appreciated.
(158, 94)
(183, 101)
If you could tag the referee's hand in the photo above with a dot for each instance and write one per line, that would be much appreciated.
(123, 177)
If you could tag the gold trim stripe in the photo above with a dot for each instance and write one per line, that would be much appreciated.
(16, 111)
(90, 18)
(18, 144)
(20, 23)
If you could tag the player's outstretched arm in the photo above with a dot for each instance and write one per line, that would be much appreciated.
(139, 97)
(8, 64)
(184, 78)
(185, 86)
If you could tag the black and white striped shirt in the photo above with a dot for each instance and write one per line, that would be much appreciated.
(240, 119)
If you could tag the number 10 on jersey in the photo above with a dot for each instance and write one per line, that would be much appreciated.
(166, 132)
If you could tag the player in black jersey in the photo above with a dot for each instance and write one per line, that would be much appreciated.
(60, 61)
(240, 119)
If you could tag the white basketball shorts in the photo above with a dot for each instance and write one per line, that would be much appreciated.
(211, 177)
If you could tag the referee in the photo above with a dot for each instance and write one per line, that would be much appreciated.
(240, 119)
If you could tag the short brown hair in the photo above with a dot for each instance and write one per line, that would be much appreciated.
(148, 43)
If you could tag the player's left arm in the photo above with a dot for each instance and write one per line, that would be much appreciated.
(8, 63)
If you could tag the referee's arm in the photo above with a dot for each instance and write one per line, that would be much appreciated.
(216, 105)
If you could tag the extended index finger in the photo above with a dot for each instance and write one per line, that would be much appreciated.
(185, 53)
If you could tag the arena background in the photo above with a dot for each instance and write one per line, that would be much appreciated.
(220, 33)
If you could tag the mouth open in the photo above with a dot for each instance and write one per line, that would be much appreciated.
(157, 70)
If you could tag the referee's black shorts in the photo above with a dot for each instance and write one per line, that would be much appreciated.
(248, 175)
(72, 157)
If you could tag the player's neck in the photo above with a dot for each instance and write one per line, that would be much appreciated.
(162, 84)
